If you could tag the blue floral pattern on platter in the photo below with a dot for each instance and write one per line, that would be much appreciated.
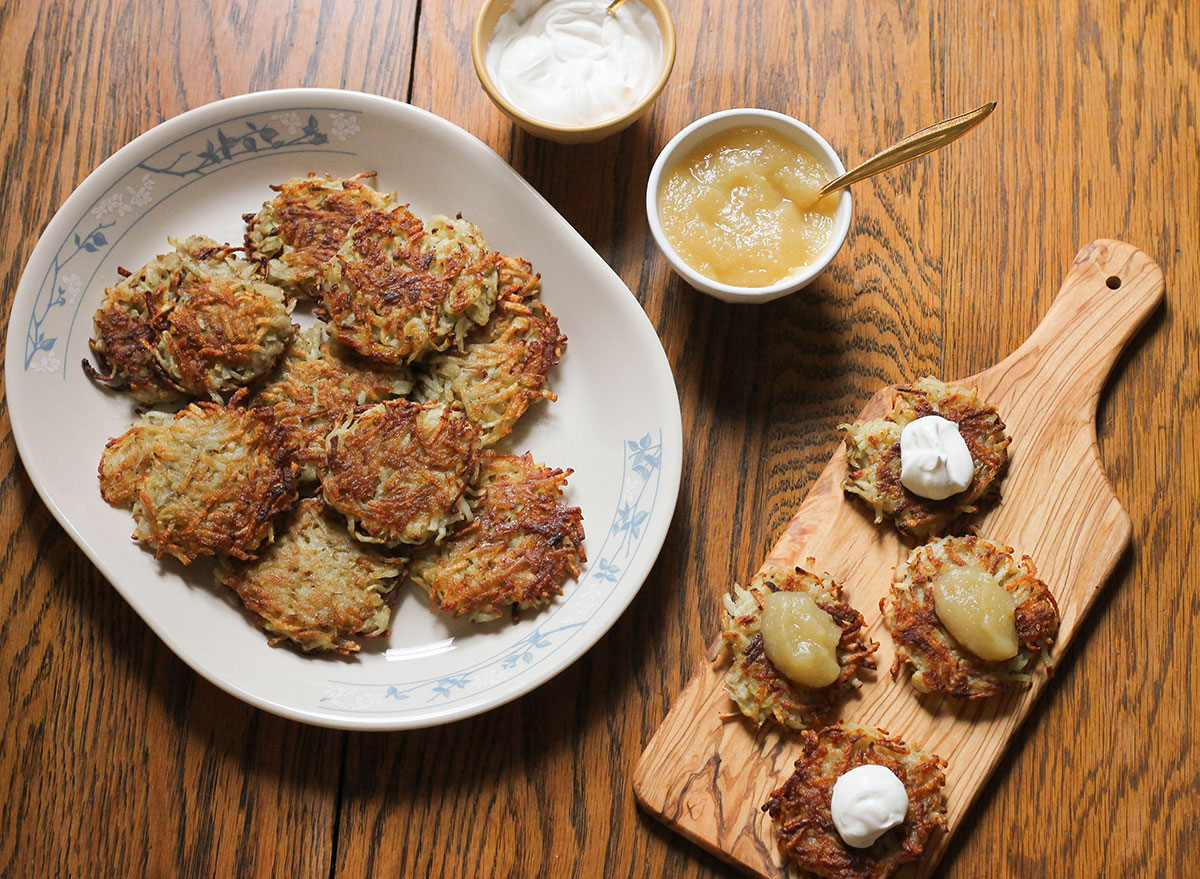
(73, 267)
(640, 480)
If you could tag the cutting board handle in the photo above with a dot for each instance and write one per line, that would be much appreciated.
(1111, 288)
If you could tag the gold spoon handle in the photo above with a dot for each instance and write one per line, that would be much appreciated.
(924, 141)
(612, 8)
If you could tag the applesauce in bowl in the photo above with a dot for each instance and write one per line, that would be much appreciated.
(732, 203)
(741, 207)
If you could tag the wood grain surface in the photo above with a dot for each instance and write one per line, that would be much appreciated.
(707, 772)
(115, 759)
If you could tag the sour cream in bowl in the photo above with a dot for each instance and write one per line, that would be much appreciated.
(568, 70)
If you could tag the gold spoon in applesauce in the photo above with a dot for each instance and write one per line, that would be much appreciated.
(915, 145)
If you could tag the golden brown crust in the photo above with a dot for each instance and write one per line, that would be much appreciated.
(397, 470)
(501, 369)
(315, 585)
(515, 279)
(395, 291)
(758, 688)
(298, 231)
(521, 545)
(192, 323)
(316, 387)
(801, 805)
(873, 456)
(209, 481)
(939, 663)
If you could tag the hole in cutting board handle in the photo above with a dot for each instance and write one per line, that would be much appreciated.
(1113, 282)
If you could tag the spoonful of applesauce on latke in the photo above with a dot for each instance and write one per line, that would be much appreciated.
(915, 145)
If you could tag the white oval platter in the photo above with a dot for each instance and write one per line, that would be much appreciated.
(616, 422)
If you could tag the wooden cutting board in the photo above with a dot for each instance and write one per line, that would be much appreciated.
(706, 777)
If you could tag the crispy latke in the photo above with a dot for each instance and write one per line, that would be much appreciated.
(207, 481)
(520, 546)
(315, 585)
(873, 456)
(193, 323)
(398, 470)
(940, 664)
(515, 278)
(501, 369)
(801, 805)
(296, 233)
(395, 290)
(319, 382)
(753, 682)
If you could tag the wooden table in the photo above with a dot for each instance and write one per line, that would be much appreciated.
(118, 760)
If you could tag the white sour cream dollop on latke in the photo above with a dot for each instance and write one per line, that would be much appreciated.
(934, 460)
(867, 802)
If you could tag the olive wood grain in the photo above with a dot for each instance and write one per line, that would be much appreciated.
(706, 775)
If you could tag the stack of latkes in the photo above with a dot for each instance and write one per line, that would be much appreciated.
(321, 466)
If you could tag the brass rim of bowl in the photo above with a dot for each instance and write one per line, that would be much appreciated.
(479, 48)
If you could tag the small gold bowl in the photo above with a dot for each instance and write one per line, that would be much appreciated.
(485, 24)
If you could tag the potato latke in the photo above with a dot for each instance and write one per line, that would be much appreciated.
(317, 385)
(758, 688)
(208, 481)
(398, 471)
(315, 585)
(193, 323)
(940, 664)
(515, 279)
(296, 233)
(873, 456)
(396, 291)
(520, 546)
(801, 805)
(501, 369)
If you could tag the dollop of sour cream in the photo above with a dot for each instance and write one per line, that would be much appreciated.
(867, 802)
(568, 62)
(934, 459)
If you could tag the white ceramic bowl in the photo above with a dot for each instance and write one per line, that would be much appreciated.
(704, 128)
